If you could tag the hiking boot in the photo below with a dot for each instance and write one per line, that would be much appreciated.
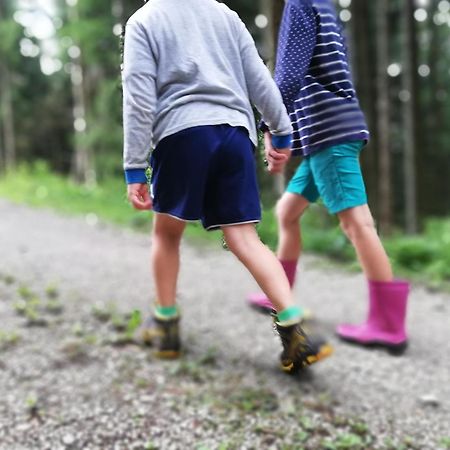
(299, 348)
(163, 335)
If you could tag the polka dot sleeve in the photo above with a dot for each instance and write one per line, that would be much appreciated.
(296, 42)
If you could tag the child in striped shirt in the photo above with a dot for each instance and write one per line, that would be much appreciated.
(313, 74)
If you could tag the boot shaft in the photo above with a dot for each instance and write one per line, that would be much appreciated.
(388, 305)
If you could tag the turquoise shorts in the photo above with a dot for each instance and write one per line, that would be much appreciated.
(334, 174)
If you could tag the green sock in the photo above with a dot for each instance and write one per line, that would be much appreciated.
(166, 312)
(290, 315)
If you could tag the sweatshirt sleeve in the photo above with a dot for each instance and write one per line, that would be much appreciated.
(139, 101)
(262, 90)
(296, 43)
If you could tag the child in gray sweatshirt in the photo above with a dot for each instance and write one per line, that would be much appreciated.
(191, 74)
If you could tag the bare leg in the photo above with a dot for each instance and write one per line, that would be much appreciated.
(358, 225)
(165, 257)
(244, 242)
(290, 208)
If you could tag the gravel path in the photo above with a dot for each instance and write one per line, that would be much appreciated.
(65, 383)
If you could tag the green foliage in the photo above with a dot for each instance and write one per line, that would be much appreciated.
(426, 255)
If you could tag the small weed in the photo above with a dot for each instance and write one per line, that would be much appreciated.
(9, 279)
(32, 406)
(90, 339)
(133, 324)
(103, 312)
(306, 423)
(445, 442)
(209, 358)
(52, 291)
(408, 441)
(190, 369)
(33, 319)
(301, 436)
(345, 441)
(8, 339)
(75, 350)
(20, 307)
(225, 446)
(149, 445)
(126, 325)
(340, 421)
(77, 329)
(54, 306)
(119, 322)
(250, 399)
(359, 428)
(25, 292)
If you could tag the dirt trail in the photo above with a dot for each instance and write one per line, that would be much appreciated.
(62, 387)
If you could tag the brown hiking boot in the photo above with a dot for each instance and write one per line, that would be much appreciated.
(299, 348)
(163, 335)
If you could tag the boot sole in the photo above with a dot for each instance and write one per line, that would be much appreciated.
(167, 354)
(295, 367)
(262, 309)
(392, 349)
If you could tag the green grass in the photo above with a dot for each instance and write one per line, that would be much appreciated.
(37, 186)
(425, 257)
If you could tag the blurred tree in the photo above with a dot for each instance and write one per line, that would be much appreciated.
(383, 120)
(8, 37)
(409, 114)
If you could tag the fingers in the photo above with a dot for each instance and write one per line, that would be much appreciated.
(275, 160)
(139, 197)
(274, 155)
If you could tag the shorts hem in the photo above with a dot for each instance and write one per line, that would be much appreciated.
(182, 219)
(217, 226)
(310, 200)
(346, 205)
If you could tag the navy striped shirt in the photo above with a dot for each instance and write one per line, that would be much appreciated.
(313, 75)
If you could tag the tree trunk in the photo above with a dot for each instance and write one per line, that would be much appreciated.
(409, 108)
(83, 170)
(364, 73)
(384, 176)
(8, 138)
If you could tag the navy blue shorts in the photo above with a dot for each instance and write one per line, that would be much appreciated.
(206, 173)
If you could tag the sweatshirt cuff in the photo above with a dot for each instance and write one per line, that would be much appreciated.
(135, 176)
(282, 141)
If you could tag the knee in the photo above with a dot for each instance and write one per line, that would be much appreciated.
(235, 243)
(356, 228)
(168, 236)
(286, 216)
(241, 240)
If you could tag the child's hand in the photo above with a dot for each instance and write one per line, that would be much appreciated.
(276, 158)
(139, 197)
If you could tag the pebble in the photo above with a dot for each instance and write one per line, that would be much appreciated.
(68, 439)
(429, 400)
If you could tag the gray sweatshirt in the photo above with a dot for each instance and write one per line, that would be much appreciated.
(189, 63)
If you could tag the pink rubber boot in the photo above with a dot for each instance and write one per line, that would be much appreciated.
(385, 324)
(259, 301)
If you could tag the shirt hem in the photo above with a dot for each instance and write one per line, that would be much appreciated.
(206, 122)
